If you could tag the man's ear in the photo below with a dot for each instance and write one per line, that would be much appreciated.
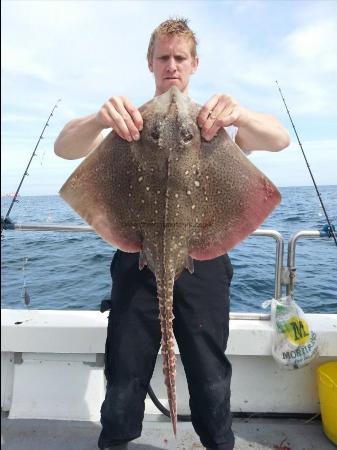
(195, 64)
(150, 66)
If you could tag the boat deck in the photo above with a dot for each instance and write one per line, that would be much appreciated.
(250, 434)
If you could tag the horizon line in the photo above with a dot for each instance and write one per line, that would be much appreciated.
(11, 195)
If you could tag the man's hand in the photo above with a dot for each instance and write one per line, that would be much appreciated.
(124, 118)
(220, 111)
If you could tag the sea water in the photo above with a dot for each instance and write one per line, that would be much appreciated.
(63, 270)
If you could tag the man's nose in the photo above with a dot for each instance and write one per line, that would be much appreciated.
(172, 66)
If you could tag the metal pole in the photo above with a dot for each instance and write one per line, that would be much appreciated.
(51, 227)
(278, 257)
(291, 255)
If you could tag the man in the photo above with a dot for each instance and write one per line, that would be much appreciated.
(201, 304)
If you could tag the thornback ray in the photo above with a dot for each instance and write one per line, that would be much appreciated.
(172, 196)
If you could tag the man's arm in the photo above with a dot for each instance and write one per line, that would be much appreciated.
(82, 135)
(259, 131)
(78, 138)
(256, 131)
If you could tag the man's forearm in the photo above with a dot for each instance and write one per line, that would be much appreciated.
(259, 131)
(78, 138)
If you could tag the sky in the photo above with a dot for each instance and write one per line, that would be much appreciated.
(83, 52)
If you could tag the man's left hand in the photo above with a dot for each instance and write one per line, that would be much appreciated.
(220, 111)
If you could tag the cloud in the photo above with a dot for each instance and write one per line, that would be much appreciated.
(315, 44)
(20, 61)
(288, 167)
(301, 54)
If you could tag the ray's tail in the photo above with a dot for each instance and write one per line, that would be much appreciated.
(165, 282)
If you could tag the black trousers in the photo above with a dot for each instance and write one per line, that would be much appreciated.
(201, 325)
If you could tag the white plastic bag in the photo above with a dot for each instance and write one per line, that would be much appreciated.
(294, 342)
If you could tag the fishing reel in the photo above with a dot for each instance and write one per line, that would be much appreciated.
(7, 223)
(328, 231)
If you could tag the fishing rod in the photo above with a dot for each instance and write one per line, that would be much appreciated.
(331, 228)
(6, 218)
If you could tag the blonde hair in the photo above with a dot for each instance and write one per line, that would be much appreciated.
(173, 27)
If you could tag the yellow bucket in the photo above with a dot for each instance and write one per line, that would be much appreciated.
(327, 388)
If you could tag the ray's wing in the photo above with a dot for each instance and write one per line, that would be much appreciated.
(95, 188)
(236, 198)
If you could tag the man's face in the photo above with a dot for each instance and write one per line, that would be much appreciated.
(172, 63)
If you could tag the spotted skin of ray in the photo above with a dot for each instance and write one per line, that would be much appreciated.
(173, 197)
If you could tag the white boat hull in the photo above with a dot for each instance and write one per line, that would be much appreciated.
(52, 367)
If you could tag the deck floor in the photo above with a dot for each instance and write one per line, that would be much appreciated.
(250, 434)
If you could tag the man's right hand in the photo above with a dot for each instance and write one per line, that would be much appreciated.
(124, 118)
